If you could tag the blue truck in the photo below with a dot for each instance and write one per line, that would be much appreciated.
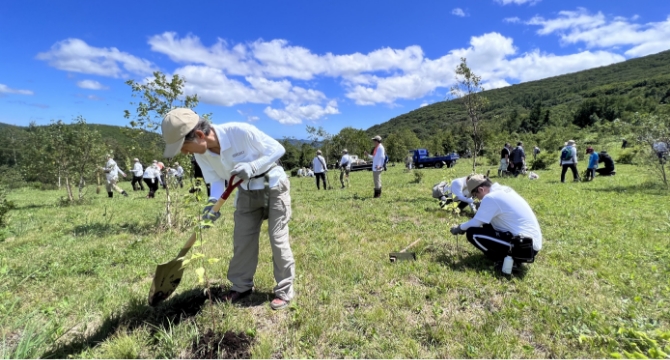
(420, 158)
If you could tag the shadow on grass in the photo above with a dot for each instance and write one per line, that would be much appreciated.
(478, 262)
(33, 206)
(100, 229)
(650, 188)
(137, 314)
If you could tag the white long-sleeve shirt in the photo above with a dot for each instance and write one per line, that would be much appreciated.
(345, 161)
(379, 158)
(152, 172)
(460, 191)
(506, 210)
(112, 170)
(180, 170)
(137, 169)
(240, 143)
(318, 164)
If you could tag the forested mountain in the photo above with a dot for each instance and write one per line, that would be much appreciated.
(609, 92)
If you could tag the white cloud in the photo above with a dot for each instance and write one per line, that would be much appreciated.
(94, 98)
(423, 104)
(512, 20)
(458, 12)
(250, 118)
(77, 56)
(4, 89)
(293, 113)
(91, 84)
(597, 31)
(517, 2)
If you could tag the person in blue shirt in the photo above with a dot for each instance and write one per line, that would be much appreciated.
(593, 164)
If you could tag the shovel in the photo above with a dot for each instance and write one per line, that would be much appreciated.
(168, 275)
(403, 254)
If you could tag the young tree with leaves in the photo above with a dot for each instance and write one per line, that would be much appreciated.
(468, 88)
(157, 97)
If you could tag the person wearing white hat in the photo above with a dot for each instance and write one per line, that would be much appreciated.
(504, 224)
(345, 167)
(569, 160)
(137, 171)
(378, 161)
(112, 172)
(242, 150)
(179, 174)
(320, 168)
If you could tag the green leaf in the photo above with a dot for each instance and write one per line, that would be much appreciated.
(213, 260)
(201, 274)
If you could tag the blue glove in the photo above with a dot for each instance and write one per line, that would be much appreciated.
(243, 171)
(208, 214)
(456, 230)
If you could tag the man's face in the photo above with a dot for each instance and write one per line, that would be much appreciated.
(196, 146)
(481, 191)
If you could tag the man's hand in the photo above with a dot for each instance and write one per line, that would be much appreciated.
(473, 208)
(243, 171)
(456, 230)
(208, 214)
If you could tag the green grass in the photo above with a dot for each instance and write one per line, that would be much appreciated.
(74, 280)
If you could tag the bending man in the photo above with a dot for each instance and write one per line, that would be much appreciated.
(446, 192)
(244, 151)
(504, 225)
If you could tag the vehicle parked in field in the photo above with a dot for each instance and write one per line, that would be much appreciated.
(420, 158)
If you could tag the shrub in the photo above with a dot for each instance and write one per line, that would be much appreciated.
(11, 177)
(418, 176)
(627, 156)
(544, 161)
(5, 206)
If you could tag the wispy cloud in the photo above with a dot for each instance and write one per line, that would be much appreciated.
(458, 12)
(75, 55)
(4, 89)
(41, 106)
(518, 2)
(596, 30)
(512, 20)
(91, 84)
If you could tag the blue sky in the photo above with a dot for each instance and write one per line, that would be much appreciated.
(285, 64)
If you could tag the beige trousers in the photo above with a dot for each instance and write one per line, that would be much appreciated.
(377, 178)
(248, 220)
(111, 185)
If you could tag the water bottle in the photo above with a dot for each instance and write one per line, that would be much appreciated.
(507, 265)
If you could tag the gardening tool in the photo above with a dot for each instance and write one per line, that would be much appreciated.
(168, 275)
(403, 254)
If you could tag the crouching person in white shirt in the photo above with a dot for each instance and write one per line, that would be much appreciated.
(242, 150)
(504, 225)
(456, 191)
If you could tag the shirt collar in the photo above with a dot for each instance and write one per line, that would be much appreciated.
(224, 142)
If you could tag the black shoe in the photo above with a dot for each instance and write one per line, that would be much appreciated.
(110, 194)
(235, 296)
(124, 193)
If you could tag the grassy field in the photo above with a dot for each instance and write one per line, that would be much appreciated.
(74, 280)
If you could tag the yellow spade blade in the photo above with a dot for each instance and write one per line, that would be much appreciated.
(167, 278)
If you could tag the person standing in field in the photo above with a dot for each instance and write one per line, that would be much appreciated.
(112, 172)
(593, 164)
(137, 171)
(179, 174)
(661, 148)
(378, 157)
(536, 151)
(242, 150)
(504, 225)
(319, 165)
(345, 167)
(504, 160)
(569, 160)
(152, 177)
(518, 158)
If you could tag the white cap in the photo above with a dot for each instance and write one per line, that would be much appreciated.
(176, 125)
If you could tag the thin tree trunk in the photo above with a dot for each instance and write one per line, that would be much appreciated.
(168, 215)
(69, 189)
(81, 186)
(665, 179)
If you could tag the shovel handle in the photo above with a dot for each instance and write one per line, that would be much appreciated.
(232, 184)
(410, 245)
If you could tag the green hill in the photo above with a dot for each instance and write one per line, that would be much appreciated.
(636, 85)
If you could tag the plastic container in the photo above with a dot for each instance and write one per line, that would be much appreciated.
(507, 265)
